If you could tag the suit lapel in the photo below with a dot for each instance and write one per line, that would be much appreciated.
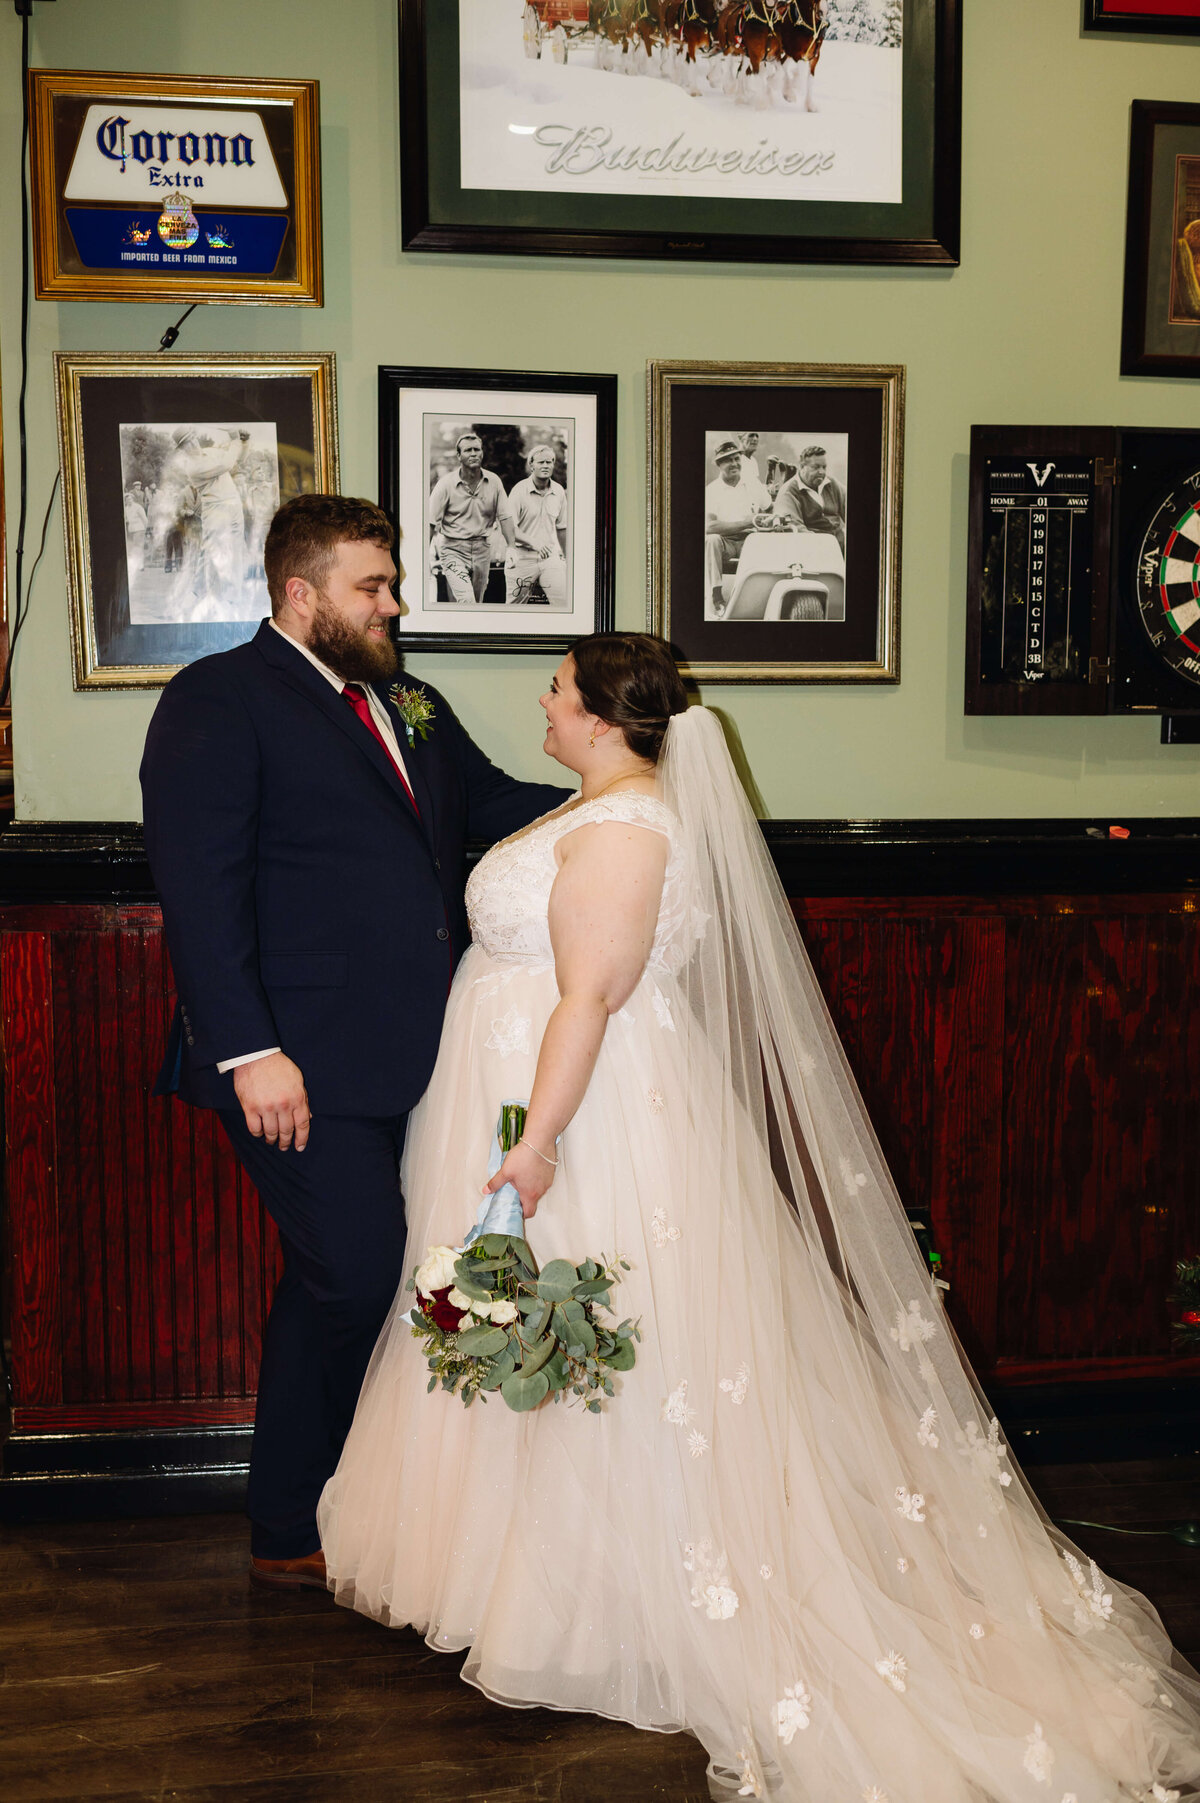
(414, 756)
(308, 681)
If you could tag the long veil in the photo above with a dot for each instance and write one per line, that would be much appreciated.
(751, 989)
(1039, 1658)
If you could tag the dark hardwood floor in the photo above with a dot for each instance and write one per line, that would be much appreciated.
(137, 1663)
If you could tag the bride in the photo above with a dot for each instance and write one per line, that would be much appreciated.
(796, 1530)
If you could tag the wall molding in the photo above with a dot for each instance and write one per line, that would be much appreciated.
(105, 861)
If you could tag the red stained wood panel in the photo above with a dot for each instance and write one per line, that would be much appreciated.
(163, 1264)
(967, 1116)
(33, 1220)
(1027, 1062)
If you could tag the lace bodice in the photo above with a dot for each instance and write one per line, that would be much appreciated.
(508, 894)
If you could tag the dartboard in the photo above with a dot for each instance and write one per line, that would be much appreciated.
(1168, 579)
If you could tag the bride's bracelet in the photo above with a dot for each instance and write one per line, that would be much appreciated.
(537, 1154)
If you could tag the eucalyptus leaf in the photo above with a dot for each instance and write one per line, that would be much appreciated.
(496, 1245)
(481, 1342)
(539, 1322)
(560, 1325)
(522, 1393)
(475, 1292)
(536, 1356)
(585, 1333)
(622, 1357)
(594, 1286)
(556, 1281)
(556, 1371)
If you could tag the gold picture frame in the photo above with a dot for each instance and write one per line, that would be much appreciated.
(130, 205)
(770, 599)
(172, 468)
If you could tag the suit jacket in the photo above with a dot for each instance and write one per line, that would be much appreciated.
(306, 905)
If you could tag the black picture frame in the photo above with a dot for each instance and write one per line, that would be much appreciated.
(171, 469)
(797, 602)
(440, 215)
(1160, 324)
(1156, 21)
(421, 411)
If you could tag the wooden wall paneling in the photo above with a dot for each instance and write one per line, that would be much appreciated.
(69, 1248)
(87, 1244)
(117, 1099)
(205, 1231)
(1120, 1113)
(31, 1175)
(966, 1168)
(1037, 966)
(228, 1272)
(164, 1332)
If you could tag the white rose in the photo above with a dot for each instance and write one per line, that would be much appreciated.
(482, 1309)
(437, 1271)
(503, 1312)
(456, 1299)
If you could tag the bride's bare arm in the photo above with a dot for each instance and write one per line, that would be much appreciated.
(603, 910)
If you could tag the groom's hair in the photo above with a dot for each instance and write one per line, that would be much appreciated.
(306, 532)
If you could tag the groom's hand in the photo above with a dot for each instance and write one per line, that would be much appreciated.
(274, 1100)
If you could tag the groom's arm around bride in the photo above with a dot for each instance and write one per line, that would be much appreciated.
(309, 861)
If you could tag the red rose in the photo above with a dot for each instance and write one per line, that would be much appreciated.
(1191, 1316)
(440, 1310)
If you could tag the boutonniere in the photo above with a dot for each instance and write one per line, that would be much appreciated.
(414, 708)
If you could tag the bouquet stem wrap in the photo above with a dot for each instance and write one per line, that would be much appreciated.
(501, 1211)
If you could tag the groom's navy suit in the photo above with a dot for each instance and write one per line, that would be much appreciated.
(309, 905)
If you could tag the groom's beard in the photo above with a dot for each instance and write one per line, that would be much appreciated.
(348, 650)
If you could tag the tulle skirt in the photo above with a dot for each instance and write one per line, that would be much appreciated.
(759, 1540)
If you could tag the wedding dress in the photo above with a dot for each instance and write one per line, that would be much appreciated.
(796, 1530)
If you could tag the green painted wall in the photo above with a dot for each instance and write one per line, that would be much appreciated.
(1026, 330)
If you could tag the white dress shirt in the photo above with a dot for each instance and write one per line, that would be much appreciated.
(380, 716)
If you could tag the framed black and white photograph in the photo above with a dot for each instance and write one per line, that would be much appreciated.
(809, 131)
(172, 470)
(775, 498)
(501, 486)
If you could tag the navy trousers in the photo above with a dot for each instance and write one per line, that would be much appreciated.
(340, 1216)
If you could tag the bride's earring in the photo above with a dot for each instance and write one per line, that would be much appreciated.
(592, 741)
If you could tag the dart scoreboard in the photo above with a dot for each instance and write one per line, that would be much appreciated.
(1083, 576)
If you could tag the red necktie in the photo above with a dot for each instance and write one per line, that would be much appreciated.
(356, 696)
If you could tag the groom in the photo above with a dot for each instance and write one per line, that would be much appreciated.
(307, 847)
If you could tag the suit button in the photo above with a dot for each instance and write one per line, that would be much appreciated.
(190, 1040)
(443, 933)
(437, 863)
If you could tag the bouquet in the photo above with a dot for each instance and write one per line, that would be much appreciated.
(490, 1320)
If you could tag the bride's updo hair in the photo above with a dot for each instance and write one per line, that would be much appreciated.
(630, 680)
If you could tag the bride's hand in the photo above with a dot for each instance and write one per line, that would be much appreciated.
(529, 1175)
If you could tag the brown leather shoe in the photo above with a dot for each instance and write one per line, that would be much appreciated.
(307, 1573)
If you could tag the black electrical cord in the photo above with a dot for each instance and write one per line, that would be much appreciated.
(23, 590)
(24, 615)
(168, 338)
(24, 477)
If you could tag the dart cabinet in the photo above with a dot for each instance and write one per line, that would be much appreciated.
(1083, 581)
